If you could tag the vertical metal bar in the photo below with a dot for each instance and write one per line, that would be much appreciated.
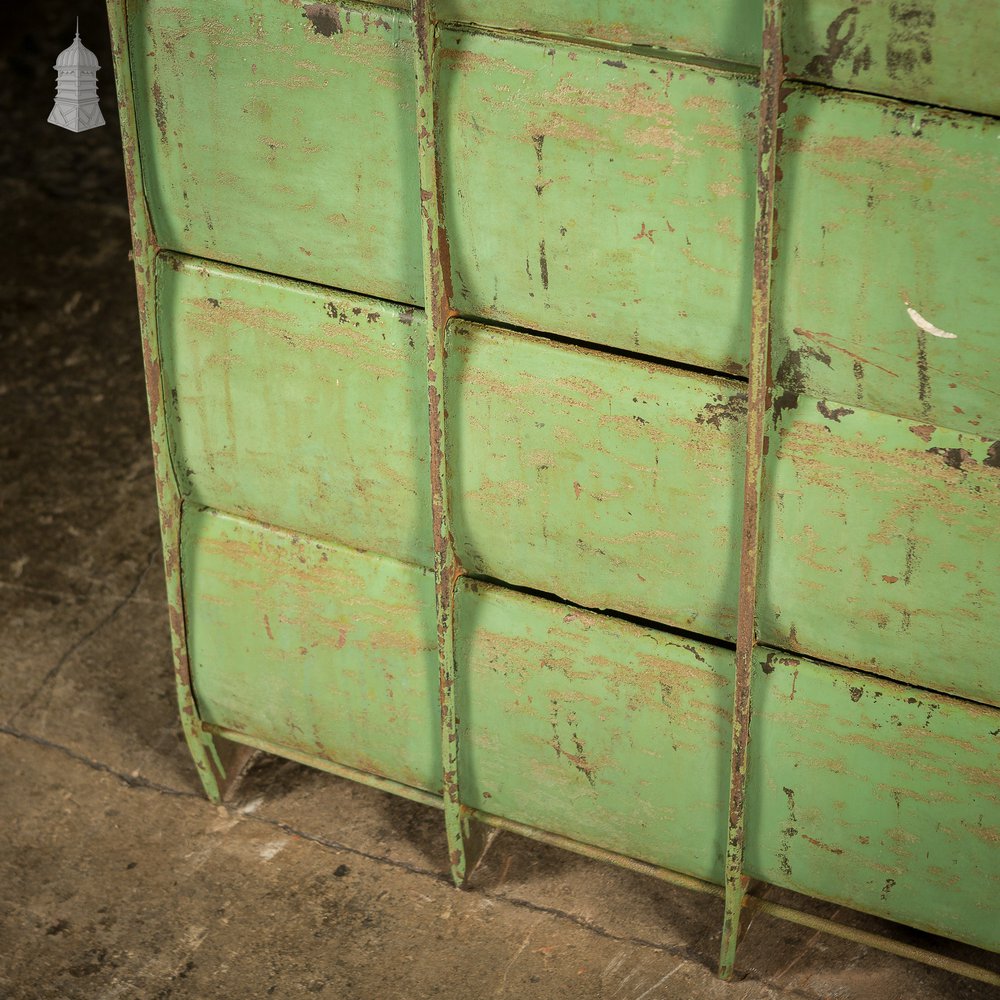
(466, 837)
(758, 407)
(211, 769)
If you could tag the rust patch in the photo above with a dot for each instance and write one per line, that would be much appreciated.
(324, 18)
(819, 843)
(856, 693)
(543, 265)
(616, 63)
(180, 653)
(859, 379)
(923, 431)
(786, 834)
(159, 111)
(834, 415)
(828, 342)
(923, 378)
(954, 458)
(578, 759)
(717, 413)
(152, 367)
(993, 456)
(791, 379)
(890, 579)
(645, 234)
(911, 559)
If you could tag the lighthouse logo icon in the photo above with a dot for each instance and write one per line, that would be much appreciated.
(76, 106)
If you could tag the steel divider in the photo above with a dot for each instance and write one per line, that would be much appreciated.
(758, 409)
(217, 764)
(466, 837)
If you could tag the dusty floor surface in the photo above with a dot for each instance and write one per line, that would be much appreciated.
(117, 878)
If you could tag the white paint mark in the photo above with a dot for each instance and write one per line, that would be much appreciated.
(927, 326)
(268, 851)
(253, 805)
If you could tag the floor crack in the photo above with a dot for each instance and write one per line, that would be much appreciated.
(681, 952)
(54, 670)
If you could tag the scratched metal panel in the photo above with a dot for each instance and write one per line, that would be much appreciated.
(616, 484)
(316, 647)
(934, 51)
(611, 482)
(881, 205)
(280, 136)
(861, 790)
(882, 547)
(594, 728)
(723, 29)
(297, 406)
(599, 195)
(877, 796)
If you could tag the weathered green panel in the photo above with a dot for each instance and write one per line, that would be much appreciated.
(722, 29)
(861, 790)
(594, 728)
(882, 547)
(607, 481)
(939, 52)
(882, 205)
(312, 646)
(876, 796)
(934, 51)
(297, 406)
(606, 199)
(281, 141)
(615, 484)
(603, 195)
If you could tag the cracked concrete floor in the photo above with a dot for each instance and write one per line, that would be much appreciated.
(117, 878)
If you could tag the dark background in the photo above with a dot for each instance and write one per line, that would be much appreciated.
(76, 481)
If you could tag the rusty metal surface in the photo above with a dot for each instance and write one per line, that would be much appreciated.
(280, 137)
(297, 406)
(204, 751)
(859, 790)
(627, 187)
(933, 51)
(887, 207)
(882, 550)
(759, 402)
(937, 52)
(608, 481)
(600, 465)
(343, 663)
(466, 839)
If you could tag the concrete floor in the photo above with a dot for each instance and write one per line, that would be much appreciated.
(117, 878)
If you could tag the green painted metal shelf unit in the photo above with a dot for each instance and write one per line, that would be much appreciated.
(589, 425)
